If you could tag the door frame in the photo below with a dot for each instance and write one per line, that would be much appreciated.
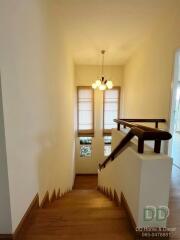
(174, 85)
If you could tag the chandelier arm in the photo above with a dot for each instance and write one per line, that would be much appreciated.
(102, 83)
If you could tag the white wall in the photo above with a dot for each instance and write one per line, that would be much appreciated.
(144, 179)
(149, 72)
(38, 100)
(85, 75)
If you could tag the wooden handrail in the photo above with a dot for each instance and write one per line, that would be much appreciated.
(117, 150)
(141, 120)
(143, 133)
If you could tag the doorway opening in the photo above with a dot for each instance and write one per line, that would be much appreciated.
(174, 148)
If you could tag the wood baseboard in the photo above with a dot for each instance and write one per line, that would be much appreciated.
(45, 200)
(123, 202)
(116, 198)
(140, 235)
(53, 197)
(128, 212)
(58, 194)
(86, 174)
(6, 236)
(24, 221)
(111, 195)
(27, 216)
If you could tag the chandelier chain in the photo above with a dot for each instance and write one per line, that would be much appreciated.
(102, 84)
(102, 70)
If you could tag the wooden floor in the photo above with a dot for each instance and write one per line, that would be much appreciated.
(86, 214)
(86, 181)
(83, 214)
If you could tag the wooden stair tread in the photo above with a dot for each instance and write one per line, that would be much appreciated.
(80, 214)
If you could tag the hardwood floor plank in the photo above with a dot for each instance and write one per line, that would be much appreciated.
(87, 214)
(83, 213)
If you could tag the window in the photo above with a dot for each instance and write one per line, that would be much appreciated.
(111, 108)
(85, 146)
(107, 145)
(85, 111)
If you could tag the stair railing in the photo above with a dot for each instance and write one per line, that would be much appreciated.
(143, 133)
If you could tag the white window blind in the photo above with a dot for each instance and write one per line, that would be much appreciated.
(111, 108)
(85, 111)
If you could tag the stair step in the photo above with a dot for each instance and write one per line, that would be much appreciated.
(79, 215)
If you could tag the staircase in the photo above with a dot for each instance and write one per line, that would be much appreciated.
(83, 214)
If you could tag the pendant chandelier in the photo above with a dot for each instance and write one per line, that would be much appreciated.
(102, 84)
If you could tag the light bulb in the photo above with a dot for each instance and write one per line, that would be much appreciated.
(98, 83)
(109, 84)
(94, 85)
(102, 87)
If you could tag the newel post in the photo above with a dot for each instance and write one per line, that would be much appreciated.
(157, 146)
(140, 145)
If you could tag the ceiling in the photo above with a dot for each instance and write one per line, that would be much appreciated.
(118, 26)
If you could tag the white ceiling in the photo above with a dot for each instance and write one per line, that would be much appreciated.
(118, 26)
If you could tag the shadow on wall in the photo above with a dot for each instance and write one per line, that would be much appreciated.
(5, 208)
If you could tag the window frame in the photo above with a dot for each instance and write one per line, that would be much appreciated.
(107, 144)
(85, 144)
(88, 132)
(108, 132)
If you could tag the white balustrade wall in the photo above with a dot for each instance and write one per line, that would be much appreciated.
(144, 179)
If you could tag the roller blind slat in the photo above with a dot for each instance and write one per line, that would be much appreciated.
(85, 111)
(111, 108)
